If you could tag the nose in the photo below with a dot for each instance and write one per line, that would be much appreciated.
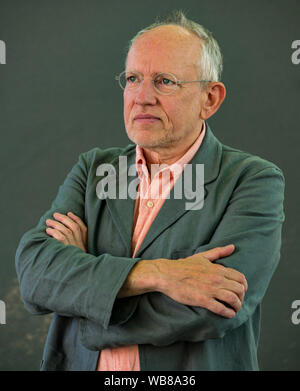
(146, 94)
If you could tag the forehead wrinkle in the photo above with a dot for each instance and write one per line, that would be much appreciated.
(151, 64)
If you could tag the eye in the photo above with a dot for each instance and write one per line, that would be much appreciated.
(164, 81)
(167, 82)
(131, 79)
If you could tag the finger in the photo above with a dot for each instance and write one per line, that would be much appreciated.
(59, 227)
(65, 220)
(219, 308)
(232, 274)
(56, 235)
(230, 285)
(78, 221)
(73, 227)
(230, 298)
(235, 275)
(236, 288)
(218, 252)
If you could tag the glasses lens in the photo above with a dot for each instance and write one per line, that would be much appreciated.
(165, 83)
(129, 80)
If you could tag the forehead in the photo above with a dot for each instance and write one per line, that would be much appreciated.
(165, 48)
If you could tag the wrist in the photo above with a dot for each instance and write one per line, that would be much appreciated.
(144, 277)
(160, 282)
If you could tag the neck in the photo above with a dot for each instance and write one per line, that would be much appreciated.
(169, 154)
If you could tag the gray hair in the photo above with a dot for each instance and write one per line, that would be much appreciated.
(211, 63)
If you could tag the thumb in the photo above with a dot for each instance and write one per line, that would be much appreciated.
(218, 252)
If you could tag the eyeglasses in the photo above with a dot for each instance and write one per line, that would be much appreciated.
(163, 83)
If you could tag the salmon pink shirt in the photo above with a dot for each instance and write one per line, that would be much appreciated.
(153, 190)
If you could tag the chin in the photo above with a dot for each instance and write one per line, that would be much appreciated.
(144, 139)
(151, 143)
(147, 138)
(143, 142)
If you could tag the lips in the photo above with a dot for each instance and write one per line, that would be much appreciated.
(145, 117)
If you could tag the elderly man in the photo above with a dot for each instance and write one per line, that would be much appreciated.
(148, 283)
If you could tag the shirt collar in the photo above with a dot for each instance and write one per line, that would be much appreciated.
(175, 168)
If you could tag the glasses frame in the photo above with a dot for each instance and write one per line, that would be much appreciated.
(177, 82)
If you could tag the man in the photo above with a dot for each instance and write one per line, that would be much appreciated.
(151, 284)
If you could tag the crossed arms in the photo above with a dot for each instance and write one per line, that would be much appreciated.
(194, 280)
(181, 300)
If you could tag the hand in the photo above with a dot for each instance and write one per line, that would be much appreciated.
(68, 229)
(197, 281)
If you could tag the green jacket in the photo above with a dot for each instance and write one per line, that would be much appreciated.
(243, 205)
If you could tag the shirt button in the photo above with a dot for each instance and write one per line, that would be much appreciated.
(150, 204)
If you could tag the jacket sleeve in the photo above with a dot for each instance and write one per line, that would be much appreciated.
(55, 277)
(253, 222)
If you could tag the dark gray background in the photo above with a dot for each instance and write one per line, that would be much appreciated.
(58, 98)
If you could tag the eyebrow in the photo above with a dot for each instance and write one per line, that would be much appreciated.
(153, 74)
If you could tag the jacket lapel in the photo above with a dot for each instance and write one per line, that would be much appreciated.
(122, 209)
(209, 155)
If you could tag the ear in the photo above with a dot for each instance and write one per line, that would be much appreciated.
(213, 96)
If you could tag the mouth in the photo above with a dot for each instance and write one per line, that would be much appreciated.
(146, 118)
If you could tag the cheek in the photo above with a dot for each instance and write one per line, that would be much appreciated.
(127, 109)
(174, 116)
(189, 109)
(125, 113)
(170, 115)
(183, 114)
